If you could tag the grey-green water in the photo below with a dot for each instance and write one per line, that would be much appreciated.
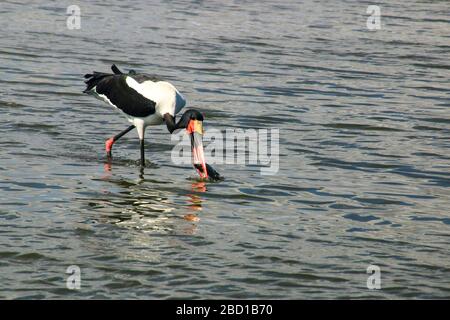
(364, 151)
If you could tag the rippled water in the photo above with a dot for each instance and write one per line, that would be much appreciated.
(364, 151)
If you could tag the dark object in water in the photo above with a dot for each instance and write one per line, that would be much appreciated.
(213, 175)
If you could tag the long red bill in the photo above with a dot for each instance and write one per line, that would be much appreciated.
(195, 129)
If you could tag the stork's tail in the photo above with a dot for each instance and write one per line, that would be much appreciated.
(115, 69)
(94, 78)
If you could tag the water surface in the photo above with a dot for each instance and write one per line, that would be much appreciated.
(364, 151)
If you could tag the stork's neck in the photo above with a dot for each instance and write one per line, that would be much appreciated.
(170, 122)
(189, 115)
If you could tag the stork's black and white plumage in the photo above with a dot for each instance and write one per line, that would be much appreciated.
(147, 101)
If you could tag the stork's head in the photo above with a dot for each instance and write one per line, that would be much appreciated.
(192, 121)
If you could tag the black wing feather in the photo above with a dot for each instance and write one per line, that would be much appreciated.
(115, 69)
(116, 89)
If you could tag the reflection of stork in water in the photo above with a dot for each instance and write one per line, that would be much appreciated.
(196, 201)
(150, 209)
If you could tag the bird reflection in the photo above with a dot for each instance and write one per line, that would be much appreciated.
(195, 201)
(147, 204)
(107, 167)
(199, 186)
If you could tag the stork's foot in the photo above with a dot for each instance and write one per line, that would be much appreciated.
(108, 147)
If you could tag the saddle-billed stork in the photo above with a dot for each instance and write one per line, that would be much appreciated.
(147, 101)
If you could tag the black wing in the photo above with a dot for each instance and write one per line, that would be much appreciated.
(116, 89)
